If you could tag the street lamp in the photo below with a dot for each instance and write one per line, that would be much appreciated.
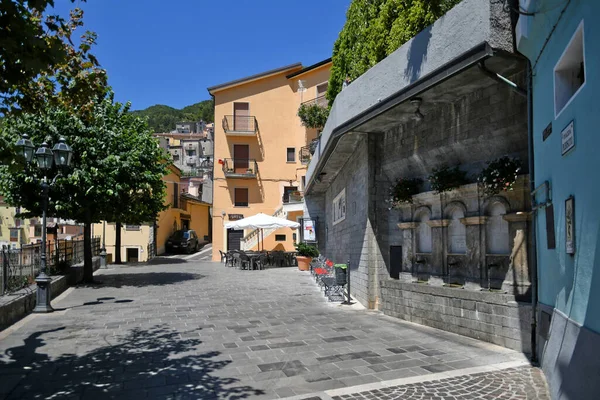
(60, 155)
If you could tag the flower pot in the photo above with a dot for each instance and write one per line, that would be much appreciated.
(303, 263)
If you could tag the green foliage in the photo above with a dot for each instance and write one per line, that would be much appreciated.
(163, 118)
(39, 64)
(499, 175)
(306, 250)
(445, 179)
(403, 191)
(116, 171)
(376, 28)
(313, 116)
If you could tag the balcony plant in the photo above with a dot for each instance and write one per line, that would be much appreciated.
(445, 179)
(499, 175)
(403, 191)
(313, 116)
(306, 253)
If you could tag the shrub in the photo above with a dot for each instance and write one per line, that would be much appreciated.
(403, 190)
(306, 250)
(499, 175)
(445, 179)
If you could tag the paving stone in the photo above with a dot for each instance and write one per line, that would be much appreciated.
(171, 331)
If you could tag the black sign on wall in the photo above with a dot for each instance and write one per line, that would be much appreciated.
(236, 217)
(547, 132)
(550, 235)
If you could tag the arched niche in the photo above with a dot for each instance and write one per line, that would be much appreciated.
(496, 230)
(423, 231)
(457, 231)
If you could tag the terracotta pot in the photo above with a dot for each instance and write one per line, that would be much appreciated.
(303, 263)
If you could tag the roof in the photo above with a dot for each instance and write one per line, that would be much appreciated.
(194, 199)
(253, 77)
(309, 68)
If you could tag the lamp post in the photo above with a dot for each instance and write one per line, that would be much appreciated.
(60, 156)
(103, 249)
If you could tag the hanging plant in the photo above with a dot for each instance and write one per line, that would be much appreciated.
(403, 191)
(499, 175)
(313, 116)
(445, 179)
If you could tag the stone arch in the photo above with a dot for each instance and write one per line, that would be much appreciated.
(457, 231)
(490, 201)
(423, 231)
(497, 235)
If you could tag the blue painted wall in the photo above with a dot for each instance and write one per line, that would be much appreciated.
(569, 283)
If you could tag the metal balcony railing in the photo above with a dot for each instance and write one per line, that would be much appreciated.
(320, 101)
(293, 197)
(304, 155)
(240, 168)
(244, 125)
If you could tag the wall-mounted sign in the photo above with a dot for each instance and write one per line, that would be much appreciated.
(309, 230)
(339, 207)
(236, 217)
(570, 225)
(547, 132)
(568, 138)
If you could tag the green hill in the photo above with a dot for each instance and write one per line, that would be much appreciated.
(163, 118)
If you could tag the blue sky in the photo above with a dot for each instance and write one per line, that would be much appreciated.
(170, 51)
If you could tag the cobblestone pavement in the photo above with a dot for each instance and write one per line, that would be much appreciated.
(513, 383)
(179, 329)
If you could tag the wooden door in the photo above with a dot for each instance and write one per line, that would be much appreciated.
(241, 114)
(241, 154)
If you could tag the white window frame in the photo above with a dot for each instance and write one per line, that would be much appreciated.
(564, 107)
(342, 214)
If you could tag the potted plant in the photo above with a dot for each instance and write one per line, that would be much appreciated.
(305, 255)
(341, 271)
(499, 175)
(402, 192)
(445, 179)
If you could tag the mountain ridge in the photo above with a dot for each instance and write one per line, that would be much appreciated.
(162, 118)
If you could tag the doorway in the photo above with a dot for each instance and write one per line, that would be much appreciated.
(241, 114)
(241, 154)
(132, 255)
(287, 191)
(234, 239)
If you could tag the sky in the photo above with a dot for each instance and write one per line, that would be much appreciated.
(170, 51)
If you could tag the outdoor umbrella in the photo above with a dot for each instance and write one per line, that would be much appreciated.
(261, 221)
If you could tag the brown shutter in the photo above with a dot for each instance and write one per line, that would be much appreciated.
(241, 112)
(241, 154)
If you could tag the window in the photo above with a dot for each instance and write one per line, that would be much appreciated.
(191, 152)
(303, 182)
(176, 157)
(241, 197)
(280, 238)
(291, 154)
(175, 195)
(14, 235)
(569, 72)
(339, 207)
(37, 230)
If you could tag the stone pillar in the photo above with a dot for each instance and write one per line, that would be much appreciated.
(408, 250)
(475, 253)
(517, 279)
(439, 250)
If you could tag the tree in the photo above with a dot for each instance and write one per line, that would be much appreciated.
(39, 62)
(373, 30)
(115, 160)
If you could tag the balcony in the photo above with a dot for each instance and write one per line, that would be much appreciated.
(320, 101)
(293, 201)
(240, 168)
(240, 125)
(191, 160)
(304, 155)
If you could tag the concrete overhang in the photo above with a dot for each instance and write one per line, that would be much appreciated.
(439, 65)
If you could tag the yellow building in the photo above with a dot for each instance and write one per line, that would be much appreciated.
(137, 241)
(14, 232)
(261, 152)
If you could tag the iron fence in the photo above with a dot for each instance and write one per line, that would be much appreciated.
(240, 124)
(19, 267)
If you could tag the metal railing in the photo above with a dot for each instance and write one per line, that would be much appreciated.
(19, 267)
(240, 124)
(292, 197)
(304, 155)
(320, 101)
(240, 167)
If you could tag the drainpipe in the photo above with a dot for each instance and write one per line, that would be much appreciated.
(534, 286)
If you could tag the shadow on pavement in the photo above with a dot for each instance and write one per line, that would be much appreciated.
(155, 361)
(165, 260)
(142, 279)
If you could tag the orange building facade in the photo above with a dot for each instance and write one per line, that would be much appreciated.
(261, 152)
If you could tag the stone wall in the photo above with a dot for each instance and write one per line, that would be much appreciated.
(15, 306)
(492, 317)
